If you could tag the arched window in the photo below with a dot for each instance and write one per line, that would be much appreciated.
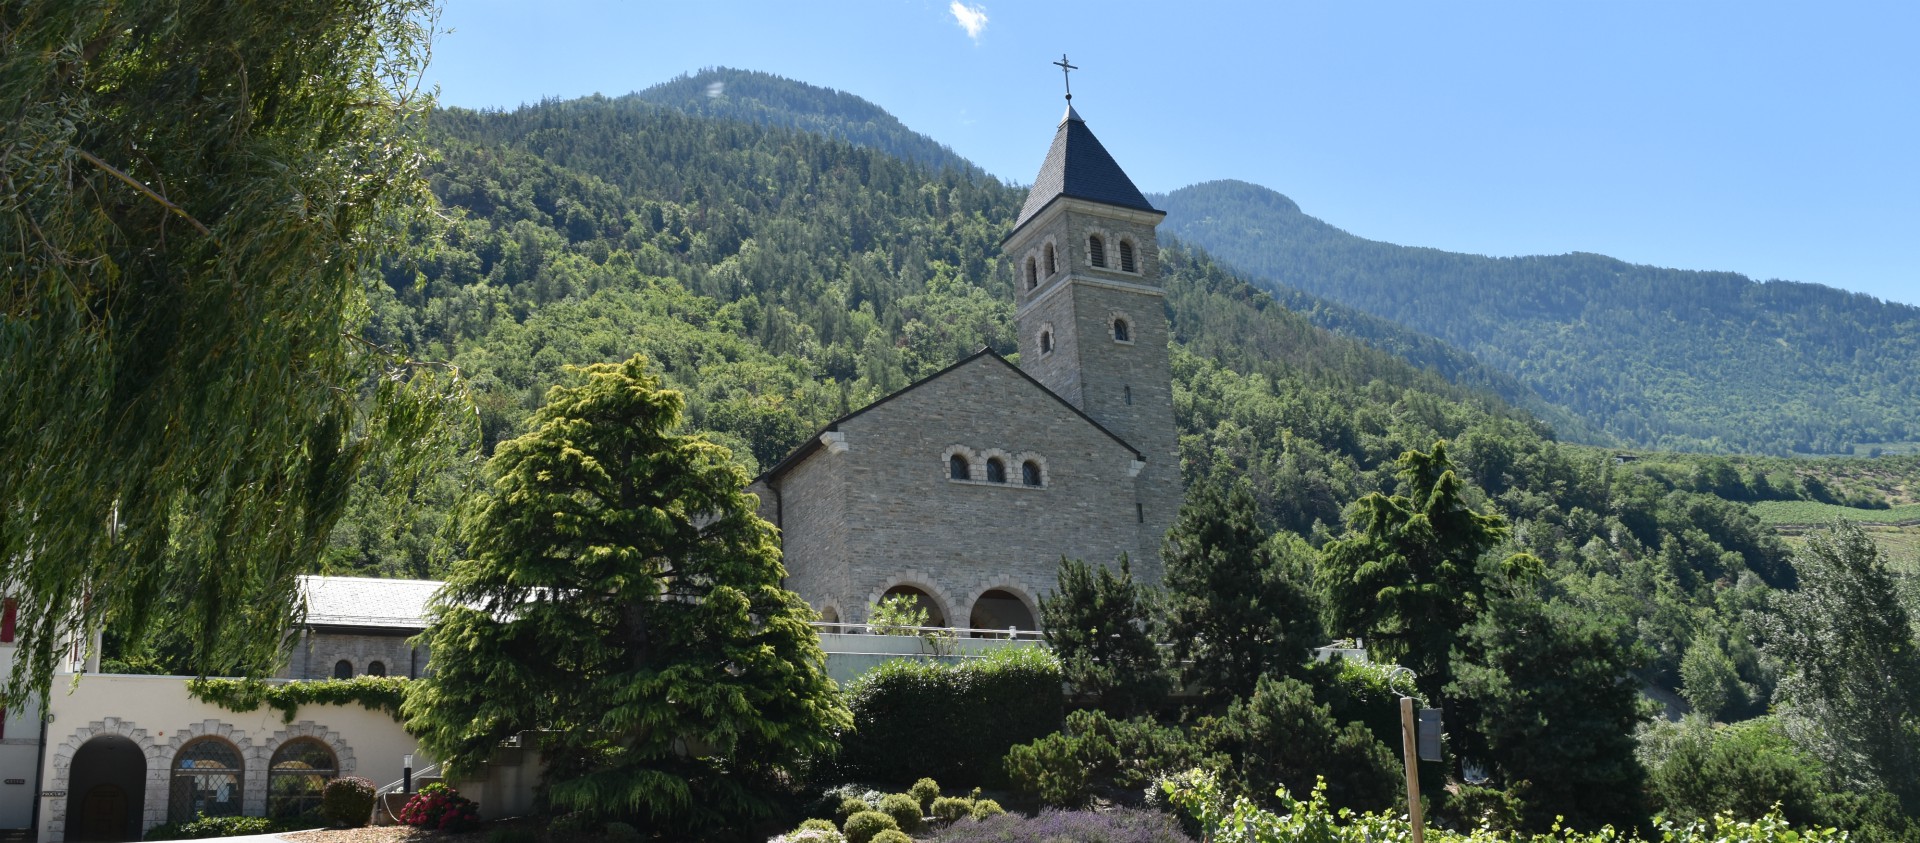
(343, 669)
(1128, 393)
(996, 471)
(1052, 267)
(206, 780)
(1046, 342)
(1096, 250)
(299, 771)
(1126, 256)
(956, 467)
(1032, 274)
(1121, 333)
(1030, 473)
(376, 668)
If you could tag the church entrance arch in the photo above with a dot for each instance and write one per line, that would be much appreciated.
(1002, 609)
(921, 599)
(107, 790)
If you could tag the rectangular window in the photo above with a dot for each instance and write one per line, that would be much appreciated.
(1140, 512)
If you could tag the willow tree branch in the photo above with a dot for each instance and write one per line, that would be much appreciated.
(136, 185)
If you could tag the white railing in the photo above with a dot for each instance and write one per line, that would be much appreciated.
(1010, 633)
(381, 793)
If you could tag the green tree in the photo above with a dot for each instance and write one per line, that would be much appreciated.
(1546, 694)
(194, 190)
(1852, 661)
(623, 595)
(1407, 575)
(1098, 625)
(1278, 738)
(1234, 611)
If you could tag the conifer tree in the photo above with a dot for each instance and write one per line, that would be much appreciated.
(1097, 623)
(1235, 611)
(623, 596)
(1407, 574)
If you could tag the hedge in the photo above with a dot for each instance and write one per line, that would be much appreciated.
(954, 722)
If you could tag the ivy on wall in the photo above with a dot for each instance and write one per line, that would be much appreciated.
(374, 693)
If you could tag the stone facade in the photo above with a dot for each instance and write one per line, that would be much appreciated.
(318, 650)
(880, 508)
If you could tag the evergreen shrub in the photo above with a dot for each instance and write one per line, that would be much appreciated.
(984, 808)
(347, 801)
(892, 836)
(1097, 753)
(925, 790)
(1124, 825)
(903, 808)
(952, 721)
(619, 832)
(947, 809)
(203, 827)
(853, 805)
(513, 834)
(862, 827)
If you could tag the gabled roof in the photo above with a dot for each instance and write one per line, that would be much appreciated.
(812, 444)
(367, 602)
(1078, 167)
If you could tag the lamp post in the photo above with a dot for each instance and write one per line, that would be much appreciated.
(406, 776)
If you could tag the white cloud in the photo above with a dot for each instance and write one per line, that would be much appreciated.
(973, 19)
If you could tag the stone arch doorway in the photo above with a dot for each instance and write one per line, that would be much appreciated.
(106, 790)
(1002, 609)
(935, 617)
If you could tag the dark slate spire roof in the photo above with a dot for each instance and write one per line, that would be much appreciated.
(1078, 166)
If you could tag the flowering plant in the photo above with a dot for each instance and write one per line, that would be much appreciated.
(440, 808)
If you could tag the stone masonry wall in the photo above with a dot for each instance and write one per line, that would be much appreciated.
(907, 523)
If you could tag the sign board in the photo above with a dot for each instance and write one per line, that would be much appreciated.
(53, 794)
(1429, 734)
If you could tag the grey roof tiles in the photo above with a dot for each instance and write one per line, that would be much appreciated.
(1078, 167)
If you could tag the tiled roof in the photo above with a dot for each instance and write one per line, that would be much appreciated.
(367, 602)
(1079, 167)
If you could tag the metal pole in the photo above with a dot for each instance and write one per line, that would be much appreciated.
(1410, 747)
(406, 777)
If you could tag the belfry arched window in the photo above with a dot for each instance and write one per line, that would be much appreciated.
(1046, 342)
(1121, 333)
(1033, 272)
(996, 471)
(956, 467)
(1126, 257)
(1030, 473)
(1052, 266)
(1096, 251)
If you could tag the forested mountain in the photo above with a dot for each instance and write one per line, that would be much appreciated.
(781, 278)
(769, 100)
(1667, 358)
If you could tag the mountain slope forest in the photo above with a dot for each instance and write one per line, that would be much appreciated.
(1701, 361)
(781, 278)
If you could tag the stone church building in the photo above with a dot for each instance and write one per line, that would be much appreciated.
(965, 489)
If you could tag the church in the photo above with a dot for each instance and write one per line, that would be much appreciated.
(965, 489)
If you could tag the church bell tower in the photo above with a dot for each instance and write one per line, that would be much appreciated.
(1091, 313)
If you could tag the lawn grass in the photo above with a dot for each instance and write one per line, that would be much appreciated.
(1776, 513)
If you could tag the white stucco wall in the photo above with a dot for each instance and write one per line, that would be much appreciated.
(156, 713)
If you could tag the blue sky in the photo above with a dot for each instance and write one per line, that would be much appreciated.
(1772, 139)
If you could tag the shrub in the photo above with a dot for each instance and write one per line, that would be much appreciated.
(570, 825)
(984, 808)
(438, 807)
(1280, 739)
(925, 790)
(619, 832)
(892, 835)
(1124, 825)
(347, 801)
(853, 805)
(946, 809)
(203, 827)
(952, 721)
(903, 808)
(815, 830)
(513, 834)
(1098, 753)
(861, 827)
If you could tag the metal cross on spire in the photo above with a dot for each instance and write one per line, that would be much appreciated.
(1065, 70)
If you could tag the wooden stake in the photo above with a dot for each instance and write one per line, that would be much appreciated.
(1410, 747)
